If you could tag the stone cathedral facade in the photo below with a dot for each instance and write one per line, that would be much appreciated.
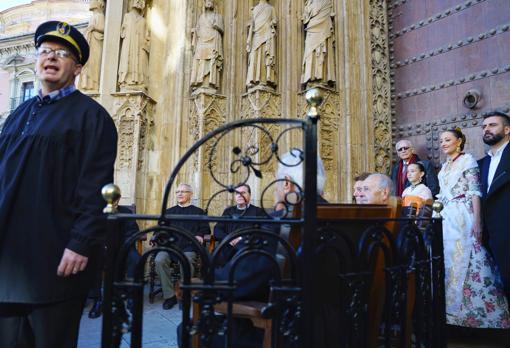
(170, 71)
(173, 70)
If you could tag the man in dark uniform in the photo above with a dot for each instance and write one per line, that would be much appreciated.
(495, 180)
(128, 228)
(184, 193)
(243, 208)
(57, 150)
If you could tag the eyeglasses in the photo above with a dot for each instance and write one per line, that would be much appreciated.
(403, 148)
(182, 191)
(59, 52)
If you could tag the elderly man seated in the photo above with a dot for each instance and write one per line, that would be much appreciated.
(290, 171)
(184, 194)
(377, 189)
(253, 273)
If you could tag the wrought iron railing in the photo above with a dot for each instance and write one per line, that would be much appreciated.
(357, 260)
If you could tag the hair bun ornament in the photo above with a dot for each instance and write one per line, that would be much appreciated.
(458, 130)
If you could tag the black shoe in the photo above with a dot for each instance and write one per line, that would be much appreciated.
(96, 309)
(169, 303)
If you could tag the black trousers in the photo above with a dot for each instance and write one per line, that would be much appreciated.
(53, 325)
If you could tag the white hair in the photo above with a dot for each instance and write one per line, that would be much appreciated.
(292, 167)
(403, 141)
(383, 182)
(188, 186)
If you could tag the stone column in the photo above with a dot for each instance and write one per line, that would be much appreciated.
(110, 58)
(261, 103)
(132, 113)
(328, 139)
(207, 112)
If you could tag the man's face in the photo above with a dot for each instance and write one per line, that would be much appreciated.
(183, 194)
(242, 196)
(209, 3)
(494, 130)
(404, 150)
(371, 193)
(55, 72)
(358, 191)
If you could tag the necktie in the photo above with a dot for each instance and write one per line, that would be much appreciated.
(404, 174)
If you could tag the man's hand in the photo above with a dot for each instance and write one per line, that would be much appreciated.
(200, 239)
(71, 263)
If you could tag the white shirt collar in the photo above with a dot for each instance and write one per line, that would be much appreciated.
(498, 151)
(184, 205)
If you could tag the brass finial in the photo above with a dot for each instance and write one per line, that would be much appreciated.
(437, 206)
(111, 194)
(314, 99)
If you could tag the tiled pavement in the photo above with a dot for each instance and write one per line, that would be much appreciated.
(159, 328)
(159, 331)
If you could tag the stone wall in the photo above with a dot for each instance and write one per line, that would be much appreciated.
(355, 117)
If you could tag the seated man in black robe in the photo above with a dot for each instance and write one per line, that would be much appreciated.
(243, 208)
(254, 273)
(184, 193)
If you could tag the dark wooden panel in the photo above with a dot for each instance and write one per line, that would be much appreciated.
(457, 26)
(440, 49)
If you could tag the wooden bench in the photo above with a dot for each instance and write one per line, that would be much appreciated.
(252, 309)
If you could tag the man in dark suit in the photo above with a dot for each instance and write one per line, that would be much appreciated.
(243, 208)
(405, 152)
(495, 177)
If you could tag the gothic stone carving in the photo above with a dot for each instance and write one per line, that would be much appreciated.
(134, 53)
(328, 146)
(254, 104)
(380, 86)
(319, 56)
(261, 46)
(207, 112)
(133, 118)
(89, 77)
(207, 42)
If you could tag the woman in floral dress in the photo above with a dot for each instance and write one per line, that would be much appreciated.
(474, 296)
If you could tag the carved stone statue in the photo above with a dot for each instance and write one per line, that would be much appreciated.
(261, 46)
(134, 53)
(89, 77)
(207, 43)
(319, 56)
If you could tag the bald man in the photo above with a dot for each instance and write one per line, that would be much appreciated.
(376, 189)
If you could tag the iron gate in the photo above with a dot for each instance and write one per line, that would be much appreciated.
(299, 307)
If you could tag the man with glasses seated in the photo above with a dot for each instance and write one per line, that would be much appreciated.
(183, 194)
(405, 152)
(242, 209)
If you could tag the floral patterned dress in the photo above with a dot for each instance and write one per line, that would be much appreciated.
(474, 295)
